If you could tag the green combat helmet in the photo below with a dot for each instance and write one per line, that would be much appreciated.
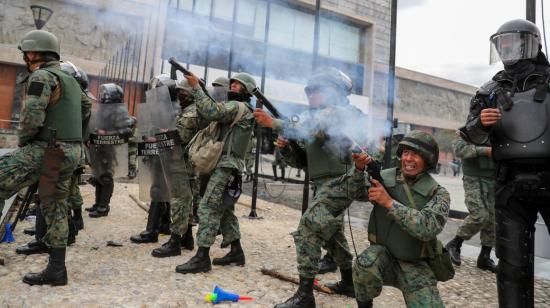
(424, 144)
(246, 80)
(221, 82)
(184, 85)
(40, 41)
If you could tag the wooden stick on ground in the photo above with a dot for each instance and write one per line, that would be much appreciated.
(142, 205)
(275, 274)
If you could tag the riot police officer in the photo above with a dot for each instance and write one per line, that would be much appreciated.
(512, 112)
(108, 150)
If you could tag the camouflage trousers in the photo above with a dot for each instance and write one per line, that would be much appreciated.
(480, 201)
(22, 167)
(321, 226)
(75, 198)
(181, 202)
(214, 214)
(375, 268)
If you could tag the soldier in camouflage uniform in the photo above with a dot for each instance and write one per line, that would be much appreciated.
(74, 198)
(479, 192)
(322, 223)
(188, 123)
(132, 150)
(410, 210)
(249, 159)
(52, 101)
(214, 213)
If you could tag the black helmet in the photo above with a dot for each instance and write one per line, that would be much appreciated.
(110, 93)
(516, 40)
(77, 73)
(165, 80)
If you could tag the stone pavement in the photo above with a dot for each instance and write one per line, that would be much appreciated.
(128, 276)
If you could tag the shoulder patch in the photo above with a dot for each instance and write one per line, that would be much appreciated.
(35, 88)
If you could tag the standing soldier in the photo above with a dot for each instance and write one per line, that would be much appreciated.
(511, 111)
(50, 138)
(479, 186)
(108, 150)
(182, 177)
(132, 150)
(322, 223)
(74, 198)
(410, 210)
(237, 121)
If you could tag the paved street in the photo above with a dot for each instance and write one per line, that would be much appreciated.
(128, 276)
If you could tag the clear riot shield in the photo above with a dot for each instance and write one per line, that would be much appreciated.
(109, 132)
(169, 146)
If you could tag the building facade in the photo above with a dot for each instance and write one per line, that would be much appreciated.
(130, 41)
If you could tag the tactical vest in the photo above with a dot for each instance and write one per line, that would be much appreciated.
(482, 166)
(65, 115)
(523, 131)
(240, 137)
(323, 163)
(384, 231)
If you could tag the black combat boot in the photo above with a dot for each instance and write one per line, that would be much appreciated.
(132, 172)
(235, 255)
(165, 220)
(303, 298)
(199, 263)
(327, 265)
(484, 261)
(187, 242)
(344, 286)
(151, 233)
(55, 273)
(275, 178)
(97, 186)
(170, 248)
(29, 231)
(77, 219)
(32, 247)
(367, 304)
(73, 232)
(105, 198)
(454, 249)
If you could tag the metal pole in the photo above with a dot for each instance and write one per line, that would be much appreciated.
(132, 84)
(156, 46)
(531, 10)
(235, 6)
(207, 54)
(125, 71)
(391, 83)
(147, 48)
(137, 73)
(259, 104)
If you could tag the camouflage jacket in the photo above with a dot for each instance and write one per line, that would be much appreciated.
(424, 224)
(225, 113)
(466, 150)
(33, 113)
(188, 123)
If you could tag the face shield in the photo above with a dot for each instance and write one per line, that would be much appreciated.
(513, 46)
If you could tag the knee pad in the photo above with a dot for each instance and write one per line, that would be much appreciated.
(515, 241)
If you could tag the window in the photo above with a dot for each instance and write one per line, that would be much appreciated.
(339, 40)
(223, 9)
(251, 15)
(291, 28)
